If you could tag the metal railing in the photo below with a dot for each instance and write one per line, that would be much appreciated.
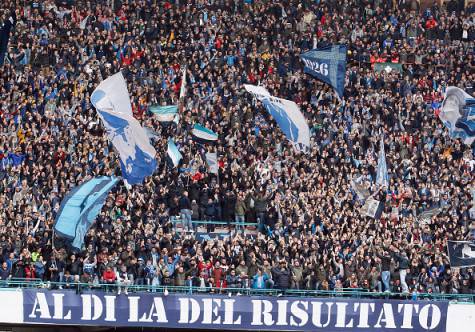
(177, 220)
(343, 293)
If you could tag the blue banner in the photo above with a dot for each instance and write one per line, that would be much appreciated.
(461, 253)
(80, 207)
(230, 313)
(327, 64)
(458, 114)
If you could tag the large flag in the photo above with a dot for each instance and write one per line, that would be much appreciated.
(372, 208)
(5, 31)
(287, 115)
(327, 64)
(165, 113)
(257, 91)
(458, 114)
(173, 153)
(461, 253)
(80, 207)
(203, 135)
(212, 160)
(382, 177)
(137, 155)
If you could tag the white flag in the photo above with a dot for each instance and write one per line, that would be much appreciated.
(212, 160)
(83, 23)
(372, 208)
(183, 84)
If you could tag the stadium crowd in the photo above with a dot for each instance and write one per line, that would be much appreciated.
(312, 234)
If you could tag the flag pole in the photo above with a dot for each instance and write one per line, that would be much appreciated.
(189, 166)
(217, 166)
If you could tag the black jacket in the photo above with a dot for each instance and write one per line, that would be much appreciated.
(385, 262)
(281, 278)
(4, 274)
(184, 203)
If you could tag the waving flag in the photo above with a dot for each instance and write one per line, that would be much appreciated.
(137, 155)
(458, 114)
(212, 160)
(80, 207)
(83, 23)
(461, 253)
(257, 91)
(287, 115)
(382, 177)
(173, 153)
(165, 113)
(327, 64)
(427, 215)
(203, 135)
(361, 191)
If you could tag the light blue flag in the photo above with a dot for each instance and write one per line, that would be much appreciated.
(382, 177)
(458, 114)
(80, 207)
(327, 64)
(164, 113)
(203, 135)
(173, 153)
(137, 155)
(287, 115)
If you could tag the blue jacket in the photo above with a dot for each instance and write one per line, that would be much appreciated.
(259, 281)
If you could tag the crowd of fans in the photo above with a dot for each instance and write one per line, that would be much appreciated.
(311, 234)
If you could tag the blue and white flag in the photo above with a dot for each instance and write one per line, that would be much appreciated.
(203, 135)
(80, 207)
(165, 113)
(173, 153)
(328, 64)
(461, 253)
(360, 190)
(382, 177)
(137, 155)
(287, 115)
(458, 114)
(259, 92)
(212, 160)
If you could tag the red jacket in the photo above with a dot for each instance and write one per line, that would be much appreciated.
(108, 275)
(30, 272)
(431, 23)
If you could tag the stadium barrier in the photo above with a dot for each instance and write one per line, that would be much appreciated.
(253, 311)
(357, 293)
(177, 220)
